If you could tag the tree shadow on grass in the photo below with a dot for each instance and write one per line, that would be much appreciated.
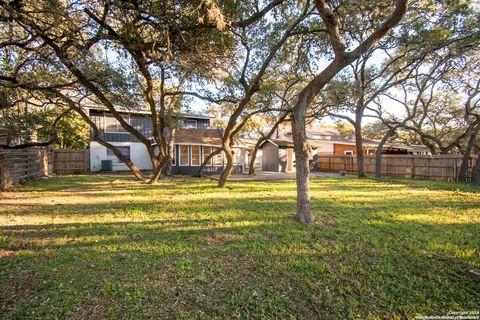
(238, 257)
(360, 264)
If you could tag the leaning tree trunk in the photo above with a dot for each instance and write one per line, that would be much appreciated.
(206, 160)
(378, 154)
(227, 170)
(463, 173)
(304, 212)
(253, 157)
(133, 168)
(157, 172)
(359, 145)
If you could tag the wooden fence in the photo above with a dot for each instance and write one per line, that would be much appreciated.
(19, 165)
(70, 161)
(435, 167)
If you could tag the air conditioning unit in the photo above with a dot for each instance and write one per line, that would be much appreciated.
(107, 165)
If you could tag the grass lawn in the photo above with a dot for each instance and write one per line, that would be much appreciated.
(105, 246)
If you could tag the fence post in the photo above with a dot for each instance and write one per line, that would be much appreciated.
(2, 171)
(412, 167)
(87, 157)
(455, 178)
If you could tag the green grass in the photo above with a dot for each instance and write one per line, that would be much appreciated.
(105, 246)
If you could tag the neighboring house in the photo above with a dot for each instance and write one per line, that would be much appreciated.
(370, 147)
(278, 154)
(194, 141)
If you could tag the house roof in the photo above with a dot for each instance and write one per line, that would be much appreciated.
(282, 142)
(289, 143)
(147, 112)
(315, 143)
(211, 137)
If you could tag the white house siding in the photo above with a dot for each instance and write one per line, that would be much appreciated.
(138, 155)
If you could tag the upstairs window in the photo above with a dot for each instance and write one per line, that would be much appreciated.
(190, 124)
(113, 126)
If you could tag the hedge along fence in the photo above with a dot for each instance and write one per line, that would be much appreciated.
(20, 165)
(434, 167)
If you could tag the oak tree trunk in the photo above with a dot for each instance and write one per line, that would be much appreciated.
(359, 145)
(378, 154)
(253, 157)
(304, 212)
(463, 173)
(227, 170)
(476, 172)
(171, 153)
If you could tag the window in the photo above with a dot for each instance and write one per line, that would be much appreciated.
(195, 155)
(218, 159)
(348, 152)
(183, 156)
(125, 151)
(113, 126)
(206, 152)
(139, 123)
(190, 124)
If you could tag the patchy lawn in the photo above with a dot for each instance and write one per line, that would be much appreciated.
(104, 246)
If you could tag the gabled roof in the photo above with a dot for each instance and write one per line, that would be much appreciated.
(288, 143)
(147, 112)
(282, 142)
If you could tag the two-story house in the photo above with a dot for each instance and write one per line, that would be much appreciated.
(194, 140)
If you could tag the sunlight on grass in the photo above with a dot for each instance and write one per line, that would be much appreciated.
(446, 217)
(106, 246)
